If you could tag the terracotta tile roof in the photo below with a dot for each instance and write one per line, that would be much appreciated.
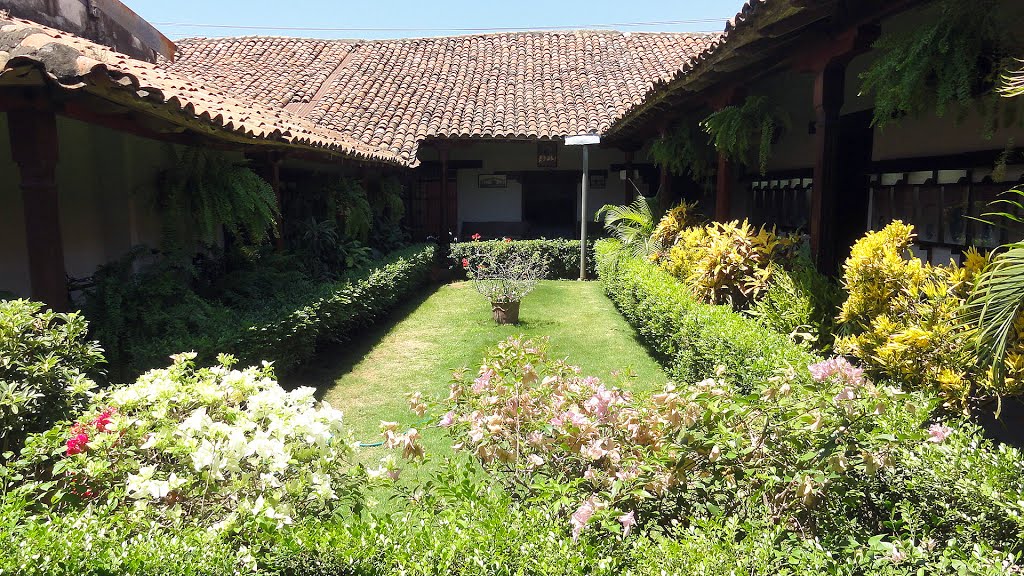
(397, 93)
(78, 64)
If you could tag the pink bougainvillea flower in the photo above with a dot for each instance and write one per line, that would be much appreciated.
(465, 263)
(938, 433)
(476, 237)
(581, 517)
(483, 381)
(447, 420)
(506, 239)
(627, 521)
(837, 367)
(845, 396)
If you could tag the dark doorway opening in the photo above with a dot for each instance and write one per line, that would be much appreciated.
(857, 137)
(549, 203)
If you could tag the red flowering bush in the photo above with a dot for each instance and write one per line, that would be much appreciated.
(690, 450)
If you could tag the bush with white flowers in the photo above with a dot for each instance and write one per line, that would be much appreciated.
(219, 447)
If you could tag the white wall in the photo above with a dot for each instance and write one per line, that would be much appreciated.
(106, 182)
(505, 205)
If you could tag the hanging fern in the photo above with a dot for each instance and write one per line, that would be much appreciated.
(354, 208)
(734, 130)
(1013, 83)
(389, 204)
(684, 150)
(944, 64)
(205, 190)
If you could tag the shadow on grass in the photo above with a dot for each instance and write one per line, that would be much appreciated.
(336, 360)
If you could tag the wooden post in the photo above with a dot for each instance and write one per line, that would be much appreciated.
(275, 183)
(725, 177)
(725, 184)
(829, 86)
(34, 148)
(446, 232)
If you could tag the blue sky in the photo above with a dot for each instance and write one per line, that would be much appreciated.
(424, 18)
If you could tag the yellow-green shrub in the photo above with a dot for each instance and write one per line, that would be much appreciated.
(728, 263)
(674, 223)
(901, 318)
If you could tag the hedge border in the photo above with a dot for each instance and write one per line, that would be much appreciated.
(690, 338)
(562, 256)
(292, 336)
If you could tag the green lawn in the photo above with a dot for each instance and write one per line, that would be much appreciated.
(451, 328)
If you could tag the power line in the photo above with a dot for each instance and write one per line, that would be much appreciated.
(454, 29)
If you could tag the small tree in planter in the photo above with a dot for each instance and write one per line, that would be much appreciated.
(505, 277)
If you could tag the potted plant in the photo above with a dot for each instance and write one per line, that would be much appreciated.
(505, 276)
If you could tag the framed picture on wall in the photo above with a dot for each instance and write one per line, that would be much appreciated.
(598, 179)
(547, 154)
(492, 181)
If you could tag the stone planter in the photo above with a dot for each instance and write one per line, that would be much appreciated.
(505, 312)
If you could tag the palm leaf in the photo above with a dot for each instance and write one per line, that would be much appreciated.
(1013, 83)
(993, 307)
(632, 224)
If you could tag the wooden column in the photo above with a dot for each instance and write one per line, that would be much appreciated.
(34, 148)
(725, 185)
(725, 177)
(446, 224)
(829, 86)
(274, 162)
(664, 180)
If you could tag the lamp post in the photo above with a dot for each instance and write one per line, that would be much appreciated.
(584, 140)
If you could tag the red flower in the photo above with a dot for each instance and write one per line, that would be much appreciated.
(476, 237)
(507, 239)
(465, 262)
(76, 444)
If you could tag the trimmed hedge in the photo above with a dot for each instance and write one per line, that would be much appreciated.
(692, 338)
(290, 333)
(562, 256)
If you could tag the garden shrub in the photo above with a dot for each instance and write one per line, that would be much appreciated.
(289, 333)
(832, 475)
(46, 367)
(226, 449)
(729, 263)
(263, 310)
(901, 318)
(692, 338)
(562, 257)
(546, 430)
(800, 302)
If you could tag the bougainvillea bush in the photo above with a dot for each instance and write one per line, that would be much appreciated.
(830, 459)
(47, 364)
(217, 447)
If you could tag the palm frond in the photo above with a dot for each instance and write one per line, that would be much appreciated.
(993, 307)
(633, 224)
(1013, 83)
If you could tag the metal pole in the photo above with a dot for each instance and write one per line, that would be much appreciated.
(583, 214)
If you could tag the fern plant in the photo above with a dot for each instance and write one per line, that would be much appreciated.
(633, 225)
(390, 204)
(351, 204)
(734, 130)
(205, 190)
(943, 64)
(684, 150)
(1013, 83)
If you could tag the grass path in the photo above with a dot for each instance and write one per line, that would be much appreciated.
(452, 328)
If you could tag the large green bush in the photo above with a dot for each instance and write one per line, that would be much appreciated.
(289, 332)
(562, 257)
(264, 309)
(692, 338)
(46, 361)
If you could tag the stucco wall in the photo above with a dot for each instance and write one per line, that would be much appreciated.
(106, 182)
(505, 205)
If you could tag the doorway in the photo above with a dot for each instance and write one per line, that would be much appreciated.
(549, 202)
